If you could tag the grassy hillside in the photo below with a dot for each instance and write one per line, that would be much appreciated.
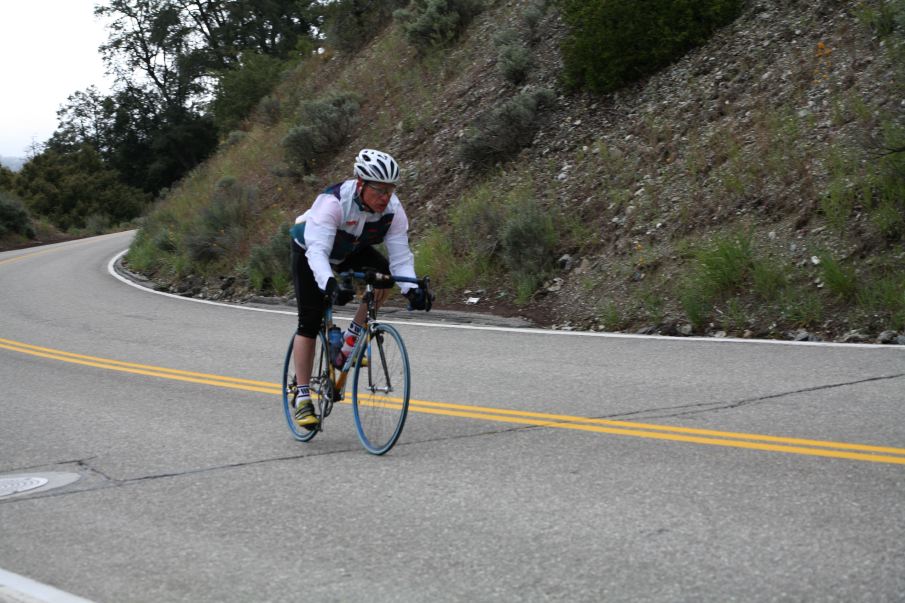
(746, 189)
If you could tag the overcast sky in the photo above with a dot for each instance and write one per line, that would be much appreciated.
(48, 50)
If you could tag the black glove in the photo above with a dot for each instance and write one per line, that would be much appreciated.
(420, 299)
(338, 294)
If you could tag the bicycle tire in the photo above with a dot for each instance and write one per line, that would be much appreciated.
(318, 376)
(379, 414)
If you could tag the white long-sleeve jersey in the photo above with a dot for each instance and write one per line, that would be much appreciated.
(338, 224)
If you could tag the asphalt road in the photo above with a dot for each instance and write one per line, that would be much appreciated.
(534, 466)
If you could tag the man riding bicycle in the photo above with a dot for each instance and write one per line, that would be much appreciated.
(340, 231)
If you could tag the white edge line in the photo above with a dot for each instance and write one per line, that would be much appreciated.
(873, 346)
(112, 270)
(35, 590)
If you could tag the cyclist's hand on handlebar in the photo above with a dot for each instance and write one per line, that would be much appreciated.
(420, 299)
(337, 293)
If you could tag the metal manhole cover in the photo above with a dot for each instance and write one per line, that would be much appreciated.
(14, 485)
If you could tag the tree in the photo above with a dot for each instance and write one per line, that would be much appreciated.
(149, 38)
(13, 217)
(615, 42)
(169, 58)
(75, 188)
(7, 179)
(350, 24)
(179, 45)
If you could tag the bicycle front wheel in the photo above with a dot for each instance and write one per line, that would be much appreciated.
(380, 389)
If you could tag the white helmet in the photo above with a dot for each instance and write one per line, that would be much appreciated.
(376, 166)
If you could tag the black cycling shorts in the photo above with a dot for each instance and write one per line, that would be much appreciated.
(309, 297)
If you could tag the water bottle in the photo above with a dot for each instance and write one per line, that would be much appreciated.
(335, 335)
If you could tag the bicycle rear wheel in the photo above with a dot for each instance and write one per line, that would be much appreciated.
(380, 390)
(321, 387)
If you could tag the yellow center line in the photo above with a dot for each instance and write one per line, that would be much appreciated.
(548, 418)
(117, 363)
(60, 247)
(26, 255)
(790, 445)
(141, 369)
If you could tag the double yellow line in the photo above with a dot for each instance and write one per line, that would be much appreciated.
(27, 255)
(57, 247)
(789, 445)
(141, 369)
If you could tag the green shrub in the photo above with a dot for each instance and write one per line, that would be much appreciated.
(885, 18)
(324, 126)
(839, 280)
(221, 227)
(476, 222)
(693, 302)
(13, 216)
(269, 111)
(434, 256)
(613, 42)
(500, 134)
(887, 209)
(533, 13)
(885, 296)
(240, 89)
(719, 270)
(96, 224)
(610, 316)
(431, 23)
(723, 266)
(506, 37)
(513, 57)
(269, 264)
(164, 240)
(801, 307)
(156, 242)
(527, 242)
(837, 204)
(768, 279)
(514, 63)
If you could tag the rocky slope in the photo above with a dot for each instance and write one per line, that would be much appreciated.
(743, 135)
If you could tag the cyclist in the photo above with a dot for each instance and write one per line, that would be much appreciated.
(339, 231)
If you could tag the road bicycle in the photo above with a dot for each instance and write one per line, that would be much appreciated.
(381, 377)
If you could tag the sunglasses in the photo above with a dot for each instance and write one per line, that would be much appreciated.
(382, 191)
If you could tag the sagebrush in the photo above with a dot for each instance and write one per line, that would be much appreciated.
(432, 23)
(323, 127)
(498, 135)
(221, 227)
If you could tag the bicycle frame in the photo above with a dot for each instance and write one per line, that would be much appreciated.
(338, 376)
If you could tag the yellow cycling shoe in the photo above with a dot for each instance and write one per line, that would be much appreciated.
(304, 414)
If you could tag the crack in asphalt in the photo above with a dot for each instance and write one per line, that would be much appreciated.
(86, 467)
(705, 407)
(110, 482)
